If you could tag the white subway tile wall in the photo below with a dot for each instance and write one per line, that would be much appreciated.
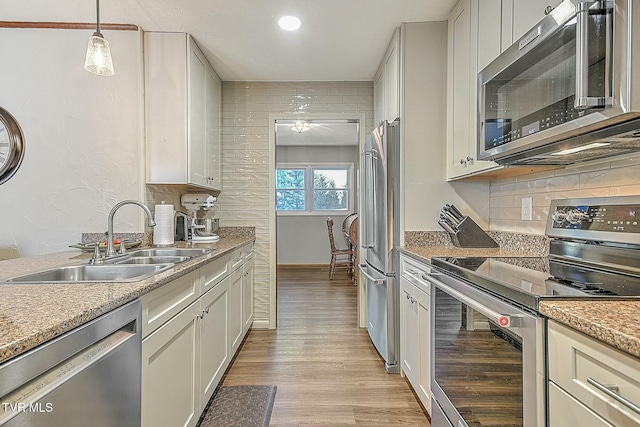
(246, 106)
(611, 178)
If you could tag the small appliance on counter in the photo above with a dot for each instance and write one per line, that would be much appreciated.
(190, 227)
(464, 232)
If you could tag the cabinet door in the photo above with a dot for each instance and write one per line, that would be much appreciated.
(378, 97)
(169, 372)
(213, 99)
(423, 304)
(214, 345)
(392, 79)
(235, 310)
(247, 295)
(489, 32)
(197, 117)
(527, 13)
(409, 344)
(461, 57)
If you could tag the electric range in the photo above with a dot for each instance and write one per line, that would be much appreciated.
(488, 338)
(594, 252)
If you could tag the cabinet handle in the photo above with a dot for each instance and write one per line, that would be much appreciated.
(462, 162)
(610, 390)
(200, 316)
(206, 310)
(408, 296)
(469, 158)
(548, 10)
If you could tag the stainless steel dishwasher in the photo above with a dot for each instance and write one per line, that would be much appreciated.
(91, 375)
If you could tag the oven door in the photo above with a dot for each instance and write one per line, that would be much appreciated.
(487, 358)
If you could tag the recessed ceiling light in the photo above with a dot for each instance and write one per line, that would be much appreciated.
(289, 23)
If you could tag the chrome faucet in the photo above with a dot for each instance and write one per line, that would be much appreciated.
(110, 246)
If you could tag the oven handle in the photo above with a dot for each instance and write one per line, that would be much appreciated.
(503, 320)
(582, 99)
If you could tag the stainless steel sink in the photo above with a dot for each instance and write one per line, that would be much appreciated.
(182, 252)
(92, 273)
(160, 259)
(133, 266)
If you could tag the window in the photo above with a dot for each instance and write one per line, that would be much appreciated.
(314, 189)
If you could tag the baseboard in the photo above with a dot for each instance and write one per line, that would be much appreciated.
(303, 266)
(260, 324)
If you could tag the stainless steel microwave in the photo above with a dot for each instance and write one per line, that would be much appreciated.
(567, 91)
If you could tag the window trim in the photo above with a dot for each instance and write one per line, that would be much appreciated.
(309, 187)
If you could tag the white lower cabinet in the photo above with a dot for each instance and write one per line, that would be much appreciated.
(170, 360)
(590, 383)
(186, 352)
(214, 342)
(235, 309)
(247, 292)
(415, 328)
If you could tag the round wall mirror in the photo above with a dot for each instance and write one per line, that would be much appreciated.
(11, 145)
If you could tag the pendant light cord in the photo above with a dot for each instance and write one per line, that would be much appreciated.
(98, 17)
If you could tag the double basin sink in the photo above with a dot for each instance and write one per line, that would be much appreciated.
(133, 266)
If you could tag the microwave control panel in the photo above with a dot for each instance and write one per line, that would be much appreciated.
(612, 218)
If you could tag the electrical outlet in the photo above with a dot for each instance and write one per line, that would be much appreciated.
(527, 209)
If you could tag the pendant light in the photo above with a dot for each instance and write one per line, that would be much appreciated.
(300, 126)
(98, 60)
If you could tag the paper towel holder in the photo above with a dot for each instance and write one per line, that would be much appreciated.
(164, 223)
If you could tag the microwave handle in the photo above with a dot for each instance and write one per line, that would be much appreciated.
(582, 99)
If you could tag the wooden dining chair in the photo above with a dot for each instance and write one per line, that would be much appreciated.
(339, 257)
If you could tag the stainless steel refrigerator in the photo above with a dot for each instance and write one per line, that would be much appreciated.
(379, 219)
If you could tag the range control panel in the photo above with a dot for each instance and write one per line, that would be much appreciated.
(622, 218)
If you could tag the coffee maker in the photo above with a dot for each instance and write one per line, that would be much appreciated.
(196, 227)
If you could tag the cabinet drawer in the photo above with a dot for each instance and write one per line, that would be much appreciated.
(564, 411)
(213, 273)
(163, 303)
(236, 259)
(413, 271)
(577, 363)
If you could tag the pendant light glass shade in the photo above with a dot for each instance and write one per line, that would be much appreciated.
(98, 60)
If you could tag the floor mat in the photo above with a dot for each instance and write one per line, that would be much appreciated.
(240, 406)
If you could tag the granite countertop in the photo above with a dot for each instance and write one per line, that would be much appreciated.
(31, 314)
(615, 323)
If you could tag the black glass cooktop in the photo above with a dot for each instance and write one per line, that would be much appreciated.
(526, 280)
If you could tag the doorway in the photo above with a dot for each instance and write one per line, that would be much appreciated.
(314, 174)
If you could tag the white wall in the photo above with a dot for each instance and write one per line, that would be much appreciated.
(423, 119)
(82, 135)
(304, 239)
(244, 200)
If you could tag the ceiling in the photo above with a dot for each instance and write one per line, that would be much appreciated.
(340, 40)
(322, 133)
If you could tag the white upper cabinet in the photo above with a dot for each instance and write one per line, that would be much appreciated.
(386, 89)
(183, 120)
(479, 31)
(527, 13)
(462, 69)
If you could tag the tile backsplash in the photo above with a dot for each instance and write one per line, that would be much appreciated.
(608, 178)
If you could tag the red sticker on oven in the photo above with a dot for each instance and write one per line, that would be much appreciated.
(504, 321)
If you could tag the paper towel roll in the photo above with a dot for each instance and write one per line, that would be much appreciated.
(163, 232)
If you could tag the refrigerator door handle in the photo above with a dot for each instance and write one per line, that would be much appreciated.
(368, 238)
(376, 281)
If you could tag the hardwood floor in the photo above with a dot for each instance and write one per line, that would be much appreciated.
(326, 368)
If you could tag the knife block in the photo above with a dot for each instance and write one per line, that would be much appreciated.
(470, 235)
